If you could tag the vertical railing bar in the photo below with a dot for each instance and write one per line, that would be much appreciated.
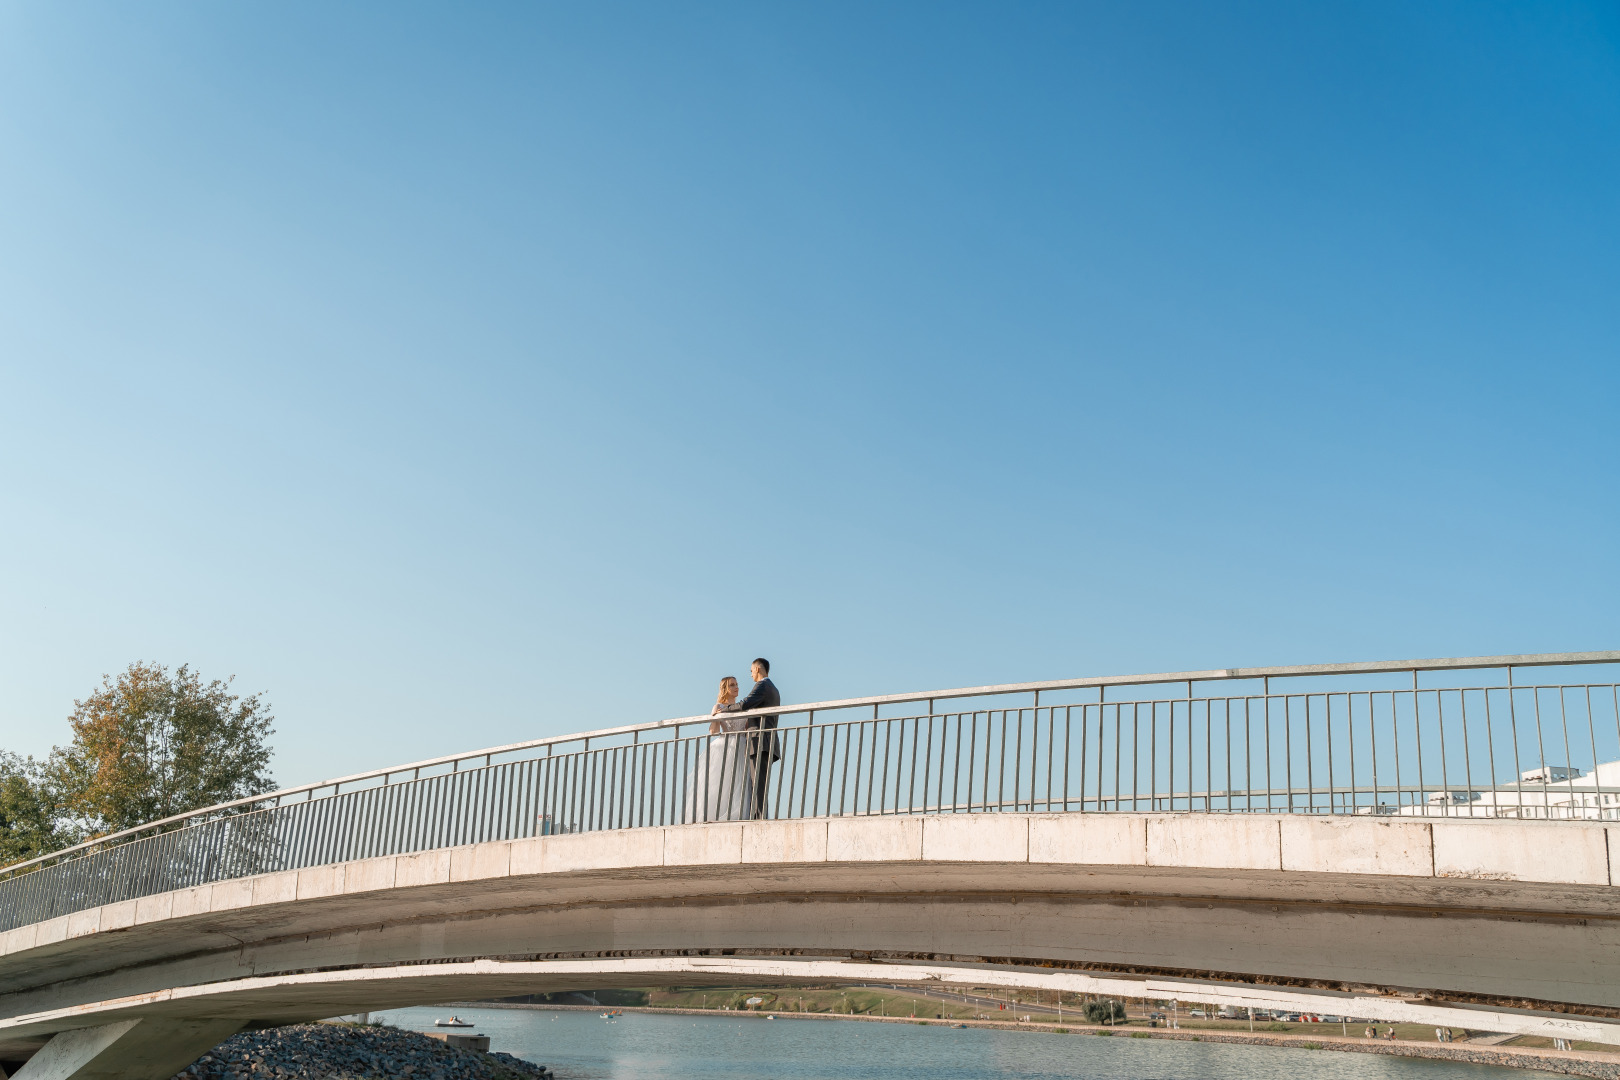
(843, 781)
(1153, 755)
(586, 786)
(989, 739)
(1248, 754)
(857, 757)
(1068, 751)
(631, 800)
(701, 752)
(787, 772)
(1513, 732)
(928, 756)
(666, 757)
(1001, 771)
(1051, 753)
(973, 746)
(1395, 741)
(1569, 762)
(1541, 750)
(1227, 746)
(1192, 754)
(589, 789)
(573, 767)
(1267, 704)
(911, 788)
(546, 816)
(1119, 726)
(1372, 739)
(1445, 774)
(1102, 736)
(1614, 700)
(1288, 749)
(1136, 754)
(617, 760)
(1350, 740)
(1591, 731)
(872, 763)
(1417, 726)
(1310, 764)
(896, 724)
(820, 739)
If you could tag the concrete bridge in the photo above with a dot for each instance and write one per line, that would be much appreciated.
(1502, 924)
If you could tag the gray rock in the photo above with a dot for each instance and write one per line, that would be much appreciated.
(351, 1052)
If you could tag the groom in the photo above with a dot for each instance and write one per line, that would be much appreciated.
(762, 746)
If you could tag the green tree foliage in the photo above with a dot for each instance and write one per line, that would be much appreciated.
(28, 811)
(1106, 1011)
(150, 744)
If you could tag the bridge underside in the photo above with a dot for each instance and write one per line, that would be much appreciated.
(1134, 905)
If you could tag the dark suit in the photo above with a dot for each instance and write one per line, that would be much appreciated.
(763, 748)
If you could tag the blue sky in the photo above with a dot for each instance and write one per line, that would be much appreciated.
(457, 375)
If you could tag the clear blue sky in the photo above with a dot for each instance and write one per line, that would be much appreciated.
(457, 374)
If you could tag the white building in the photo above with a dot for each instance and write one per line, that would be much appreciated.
(1552, 792)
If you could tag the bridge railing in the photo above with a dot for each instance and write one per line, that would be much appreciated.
(1469, 737)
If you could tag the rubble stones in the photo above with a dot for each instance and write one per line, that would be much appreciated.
(351, 1052)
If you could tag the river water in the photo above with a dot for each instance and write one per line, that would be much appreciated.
(655, 1046)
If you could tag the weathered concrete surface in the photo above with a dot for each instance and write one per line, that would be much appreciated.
(1454, 909)
(146, 1049)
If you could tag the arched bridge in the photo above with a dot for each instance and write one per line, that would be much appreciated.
(1421, 841)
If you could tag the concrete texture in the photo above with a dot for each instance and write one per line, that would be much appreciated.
(1349, 846)
(1514, 914)
(145, 1049)
(1088, 839)
(1522, 851)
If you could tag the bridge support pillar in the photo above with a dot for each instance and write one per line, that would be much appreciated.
(129, 1050)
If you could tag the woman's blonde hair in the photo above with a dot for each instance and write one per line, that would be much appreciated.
(728, 685)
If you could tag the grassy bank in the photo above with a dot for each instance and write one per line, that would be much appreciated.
(997, 1005)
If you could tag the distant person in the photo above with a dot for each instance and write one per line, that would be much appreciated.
(763, 748)
(718, 786)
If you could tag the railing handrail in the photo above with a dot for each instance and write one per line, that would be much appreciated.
(1372, 667)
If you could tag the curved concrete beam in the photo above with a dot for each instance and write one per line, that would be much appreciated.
(1514, 915)
(323, 992)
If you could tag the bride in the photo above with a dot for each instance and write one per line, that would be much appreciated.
(717, 788)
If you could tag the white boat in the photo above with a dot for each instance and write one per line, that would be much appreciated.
(454, 1021)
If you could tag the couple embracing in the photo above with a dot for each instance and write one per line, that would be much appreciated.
(733, 768)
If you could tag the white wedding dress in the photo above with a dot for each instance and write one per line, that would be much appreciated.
(717, 788)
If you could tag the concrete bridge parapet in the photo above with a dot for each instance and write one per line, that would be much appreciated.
(1520, 919)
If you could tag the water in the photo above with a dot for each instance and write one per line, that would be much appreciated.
(655, 1046)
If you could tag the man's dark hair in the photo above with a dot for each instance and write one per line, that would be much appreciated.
(764, 663)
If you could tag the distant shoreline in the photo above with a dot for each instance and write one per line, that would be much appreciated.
(1600, 1066)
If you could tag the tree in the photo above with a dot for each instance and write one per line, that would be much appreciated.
(149, 745)
(1105, 1011)
(28, 811)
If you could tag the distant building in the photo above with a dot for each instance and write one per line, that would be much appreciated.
(1551, 792)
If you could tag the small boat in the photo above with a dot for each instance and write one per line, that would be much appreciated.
(454, 1021)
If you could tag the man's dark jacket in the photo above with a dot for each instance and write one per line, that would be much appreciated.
(762, 696)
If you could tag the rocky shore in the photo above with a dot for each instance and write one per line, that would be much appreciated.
(349, 1052)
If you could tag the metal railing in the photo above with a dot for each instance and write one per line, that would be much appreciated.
(1453, 738)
